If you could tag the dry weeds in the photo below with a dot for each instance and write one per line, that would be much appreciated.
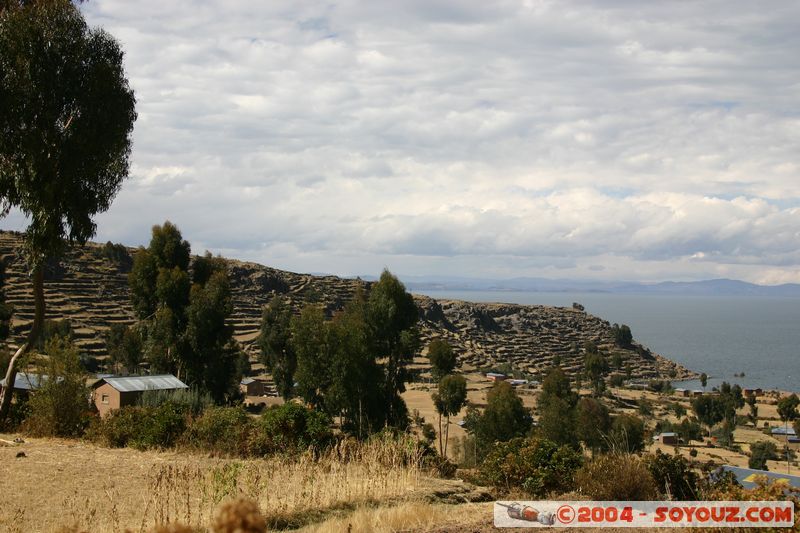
(410, 516)
(74, 485)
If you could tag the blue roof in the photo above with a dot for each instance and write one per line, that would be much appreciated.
(783, 431)
(747, 476)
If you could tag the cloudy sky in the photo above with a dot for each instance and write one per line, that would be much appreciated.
(588, 139)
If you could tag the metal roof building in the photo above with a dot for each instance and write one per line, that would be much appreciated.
(747, 476)
(143, 383)
(114, 392)
(25, 381)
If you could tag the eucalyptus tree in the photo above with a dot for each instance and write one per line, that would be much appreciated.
(66, 118)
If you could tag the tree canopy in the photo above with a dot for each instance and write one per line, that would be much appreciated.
(442, 358)
(787, 407)
(504, 418)
(275, 340)
(448, 401)
(66, 119)
(354, 365)
(183, 316)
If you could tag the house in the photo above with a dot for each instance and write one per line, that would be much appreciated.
(251, 387)
(783, 432)
(113, 392)
(697, 392)
(518, 382)
(682, 392)
(670, 439)
(638, 385)
(493, 376)
(752, 392)
(25, 383)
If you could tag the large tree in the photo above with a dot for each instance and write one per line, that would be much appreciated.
(593, 423)
(66, 117)
(449, 400)
(277, 350)
(504, 418)
(556, 408)
(392, 317)
(442, 358)
(183, 316)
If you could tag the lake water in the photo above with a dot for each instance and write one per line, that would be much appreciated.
(718, 335)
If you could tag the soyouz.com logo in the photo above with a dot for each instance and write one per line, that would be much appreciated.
(643, 514)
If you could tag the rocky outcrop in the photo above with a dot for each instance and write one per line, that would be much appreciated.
(91, 290)
(531, 337)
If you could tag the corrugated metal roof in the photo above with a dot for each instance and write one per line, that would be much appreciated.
(747, 476)
(143, 383)
(247, 381)
(25, 381)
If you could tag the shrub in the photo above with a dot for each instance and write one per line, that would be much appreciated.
(221, 431)
(141, 427)
(292, 427)
(616, 477)
(674, 475)
(117, 254)
(190, 401)
(765, 490)
(537, 466)
(60, 407)
(760, 453)
(117, 428)
(627, 434)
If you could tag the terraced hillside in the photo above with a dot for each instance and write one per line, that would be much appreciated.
(91, 291)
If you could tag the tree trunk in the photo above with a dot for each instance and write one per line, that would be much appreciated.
(440, 434)
(446, 435)
(33, 336)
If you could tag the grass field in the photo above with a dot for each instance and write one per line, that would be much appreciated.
(70, 483)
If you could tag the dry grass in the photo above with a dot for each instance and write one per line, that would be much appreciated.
(411, 516)
(83, 487)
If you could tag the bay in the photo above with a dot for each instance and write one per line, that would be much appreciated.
(718, 335)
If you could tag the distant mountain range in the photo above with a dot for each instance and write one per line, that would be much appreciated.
(712, 287)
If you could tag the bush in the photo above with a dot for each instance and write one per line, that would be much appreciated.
(614, 477)
(765, 490)
(60, 407)
(117, 254)
(292, 427)
(674, 475)
(221, 431)
(188, 400)
(760, 453)
(537, 466)
(141, 427)
(627, 434)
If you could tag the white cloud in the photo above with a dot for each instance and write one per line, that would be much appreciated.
(596, 139)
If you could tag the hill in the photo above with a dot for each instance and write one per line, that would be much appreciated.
(89, 288)
(711, 287)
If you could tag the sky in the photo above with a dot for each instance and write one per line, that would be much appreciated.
(608, 140)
